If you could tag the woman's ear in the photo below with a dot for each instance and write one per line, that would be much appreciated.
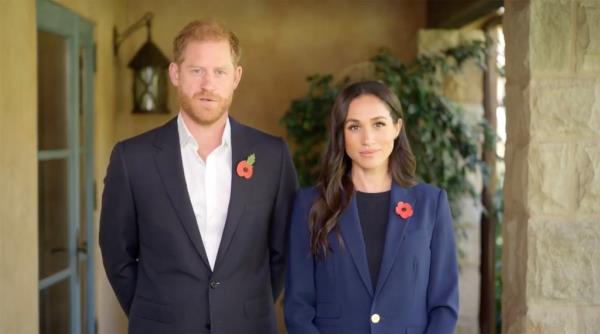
(398, 127)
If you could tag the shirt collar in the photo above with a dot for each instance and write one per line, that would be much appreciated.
(186, 138)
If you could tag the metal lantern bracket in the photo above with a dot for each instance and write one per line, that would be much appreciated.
(149, 66)
(118, 38)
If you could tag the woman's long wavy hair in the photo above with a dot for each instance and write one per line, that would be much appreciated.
(335, 188)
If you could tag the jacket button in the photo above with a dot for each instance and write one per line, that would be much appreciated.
(214, 284)
(375, 318)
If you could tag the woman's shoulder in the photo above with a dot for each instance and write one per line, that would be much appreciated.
(426, 190)
(306, 195)
(426, 187)
(428, 197)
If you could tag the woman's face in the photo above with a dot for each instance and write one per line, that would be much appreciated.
(369, 134)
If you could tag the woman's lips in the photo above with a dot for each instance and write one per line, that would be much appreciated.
(368, 152)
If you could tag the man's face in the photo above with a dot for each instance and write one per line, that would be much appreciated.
(205, 80)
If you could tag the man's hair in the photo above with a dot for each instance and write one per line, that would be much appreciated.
(205, 31)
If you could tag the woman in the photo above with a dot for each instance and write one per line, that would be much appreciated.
(371, 251)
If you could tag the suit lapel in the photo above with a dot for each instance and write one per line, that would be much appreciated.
(396, 230)
(240, 150)
(355, 243)
(170, 168)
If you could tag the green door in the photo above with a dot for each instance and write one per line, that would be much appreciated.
(65, 54)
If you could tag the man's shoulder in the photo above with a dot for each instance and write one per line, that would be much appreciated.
(149, 137)
(258, 136)
(252, 137)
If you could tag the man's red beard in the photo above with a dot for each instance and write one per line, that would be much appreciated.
(202, 114)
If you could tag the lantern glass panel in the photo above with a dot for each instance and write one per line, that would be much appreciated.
(149, 90)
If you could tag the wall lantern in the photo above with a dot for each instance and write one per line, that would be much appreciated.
(149, 67)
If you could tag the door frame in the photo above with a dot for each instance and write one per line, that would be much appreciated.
(79, 35)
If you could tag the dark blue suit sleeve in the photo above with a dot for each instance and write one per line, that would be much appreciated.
(118, 230)
(300, 294)
(442, 294)
(288, 186)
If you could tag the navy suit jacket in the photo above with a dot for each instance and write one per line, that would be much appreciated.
(152, 249)
(417, 290)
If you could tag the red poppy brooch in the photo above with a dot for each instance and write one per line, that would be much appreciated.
(404, 210)
(245, 167)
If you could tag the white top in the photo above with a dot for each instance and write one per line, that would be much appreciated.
(209, 186)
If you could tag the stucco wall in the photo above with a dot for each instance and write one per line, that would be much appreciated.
(18, 169)
(283, 42)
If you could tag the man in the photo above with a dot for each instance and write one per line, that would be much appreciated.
(195, 213)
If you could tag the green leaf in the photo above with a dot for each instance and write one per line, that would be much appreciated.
(251, 159)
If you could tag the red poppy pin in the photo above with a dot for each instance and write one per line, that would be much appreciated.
(245, 167)
(404, 210)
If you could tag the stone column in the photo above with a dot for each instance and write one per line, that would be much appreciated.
(551, 259)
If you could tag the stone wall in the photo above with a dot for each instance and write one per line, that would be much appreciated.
(551, 260)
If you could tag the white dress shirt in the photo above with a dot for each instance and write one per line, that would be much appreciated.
(208, 184)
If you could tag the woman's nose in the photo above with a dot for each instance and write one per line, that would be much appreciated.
(367, 137)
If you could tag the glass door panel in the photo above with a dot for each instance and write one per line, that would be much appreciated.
(52, 91)
(53, 211)
(55, 309)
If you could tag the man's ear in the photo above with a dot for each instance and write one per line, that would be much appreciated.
(237, 76)
(174, 74)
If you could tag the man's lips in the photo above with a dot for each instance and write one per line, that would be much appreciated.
(207, 98)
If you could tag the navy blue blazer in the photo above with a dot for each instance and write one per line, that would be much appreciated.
(153, 252)
(417, 290)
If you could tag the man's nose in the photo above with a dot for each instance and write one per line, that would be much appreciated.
(208, 81)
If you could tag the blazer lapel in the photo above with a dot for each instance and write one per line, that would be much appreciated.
(170, 168)
(355, 243)
(396, 230)
(240, 150)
